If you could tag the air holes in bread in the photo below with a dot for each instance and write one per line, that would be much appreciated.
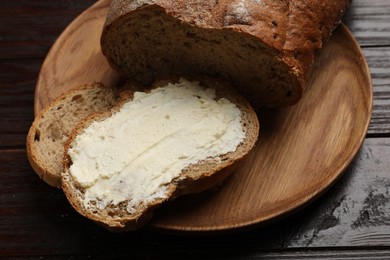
(37, 135)
(78, 98)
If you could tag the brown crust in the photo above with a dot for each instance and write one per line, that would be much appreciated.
(194, 179)
(49, 177)
(294, 30)
(52, 178)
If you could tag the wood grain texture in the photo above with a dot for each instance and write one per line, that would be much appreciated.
(379, 62)
(19, 73)
(343, 254)
(367, 19)
(301, 152)
(359, 212)
(28, 28)
(76, 58)
(17, 82)
(328, 126)
(36, 220)
(369, 22)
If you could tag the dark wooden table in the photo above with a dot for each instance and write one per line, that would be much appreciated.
(352, 220)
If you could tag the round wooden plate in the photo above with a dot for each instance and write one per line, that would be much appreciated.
(302, 149)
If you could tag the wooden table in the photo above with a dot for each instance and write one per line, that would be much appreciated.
(351, 220)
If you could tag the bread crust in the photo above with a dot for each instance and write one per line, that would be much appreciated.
(292, 30)
(37, 160)
(196, 178)
(49, 177)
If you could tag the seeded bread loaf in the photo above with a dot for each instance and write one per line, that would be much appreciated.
(264, 47)
(112, 182)
(50, 129)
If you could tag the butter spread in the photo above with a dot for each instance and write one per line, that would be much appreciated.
(129, 156)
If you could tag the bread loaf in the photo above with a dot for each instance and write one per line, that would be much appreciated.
(265, 47)
(50, 129)
(182, 136)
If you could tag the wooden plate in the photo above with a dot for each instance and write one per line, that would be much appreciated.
(302, 150)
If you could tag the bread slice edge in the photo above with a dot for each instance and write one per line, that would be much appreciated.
(186, 183)
(39, 161)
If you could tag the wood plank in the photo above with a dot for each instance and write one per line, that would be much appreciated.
(343, 254)
(37, 220)
(352, 219)
(378, 60)
(17, 86)
(303, 128)
(357, 212)
(369, 22)
(17, 82)
(25, 36)
(338, 254)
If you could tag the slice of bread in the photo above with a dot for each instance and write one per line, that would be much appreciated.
(51, 128)
(266, 48)
(95, 176)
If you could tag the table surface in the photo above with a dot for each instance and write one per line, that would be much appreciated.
(351, 220)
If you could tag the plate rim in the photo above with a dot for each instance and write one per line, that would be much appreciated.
(260, 221)
(308, 198)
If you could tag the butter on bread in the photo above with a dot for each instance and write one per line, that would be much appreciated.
(179, 137)
(51, 127)
(265, 47)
